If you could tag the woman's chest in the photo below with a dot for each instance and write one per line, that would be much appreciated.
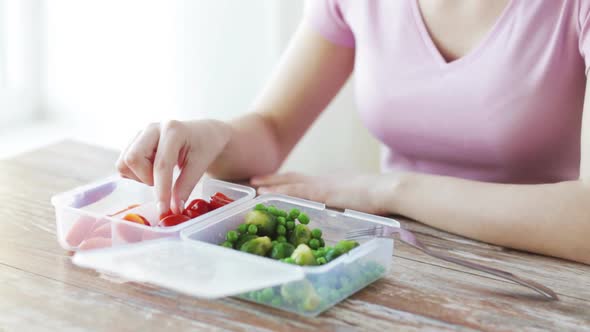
(515, 97)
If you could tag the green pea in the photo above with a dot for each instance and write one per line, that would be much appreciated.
(276, 302)
(273, 210)
(243, 228)
(322, 243)
(316, 233)
(267, 294)
(321, 260)
(282, 221)
(290, 225)
(281, 238)
(231, 236)
(314, 243)
(227, 244)
(260, 207)
(252, 229)
(283, 213)
(303, 218)
(289, 260)
(294, 213)
(281, 230)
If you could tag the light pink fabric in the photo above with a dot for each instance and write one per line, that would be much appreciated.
(508, 111)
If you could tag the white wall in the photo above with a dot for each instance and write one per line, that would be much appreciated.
(114, 65)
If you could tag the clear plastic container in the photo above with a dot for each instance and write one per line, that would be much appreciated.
(90, 216)
(196, 264)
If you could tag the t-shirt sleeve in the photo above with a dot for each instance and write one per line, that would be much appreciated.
(326, 17)
(584, 24)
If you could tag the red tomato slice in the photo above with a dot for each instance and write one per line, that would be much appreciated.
(221, 197)
(197, 208)
(134, 217)
(166, 214)
(173, 220)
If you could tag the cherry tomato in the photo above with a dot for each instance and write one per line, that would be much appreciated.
(173, 220)
(197, 208)
(166, 214)
(221, 197)
(134, 217)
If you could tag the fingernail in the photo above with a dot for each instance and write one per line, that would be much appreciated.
(180, 206)
(160, 207)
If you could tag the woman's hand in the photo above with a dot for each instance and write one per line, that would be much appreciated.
(371, 193)
(155, 151)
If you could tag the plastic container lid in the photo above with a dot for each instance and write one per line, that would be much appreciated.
(194, 268)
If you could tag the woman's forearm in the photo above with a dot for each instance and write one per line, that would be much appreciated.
(550, 219)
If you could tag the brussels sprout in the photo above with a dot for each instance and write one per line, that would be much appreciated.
(258, 246)
(301, 292)
(281, 250)
(301, 234)
(264, 221)
(303, 255)
(243, 239)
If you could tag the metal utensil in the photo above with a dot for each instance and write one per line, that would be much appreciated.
(409, 238)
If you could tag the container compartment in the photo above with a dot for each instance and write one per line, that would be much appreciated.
(90, 217)
(322, 286)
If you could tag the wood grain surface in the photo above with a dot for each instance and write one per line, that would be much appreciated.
(40, 289)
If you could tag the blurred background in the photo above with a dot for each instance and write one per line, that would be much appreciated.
(99, 70)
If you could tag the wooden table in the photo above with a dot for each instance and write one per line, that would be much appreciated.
(41, 289)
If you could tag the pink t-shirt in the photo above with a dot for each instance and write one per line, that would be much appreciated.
(509, 111)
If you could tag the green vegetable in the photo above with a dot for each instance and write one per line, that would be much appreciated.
(314, 243)
(274, 211)
(276, 302)
(243, 228)
(231, 236)
(281, 238)
(227, 244)
(264, 221)
(281, 230)
(303, 218)
(301, 234)
(332, 254)
(321, 260)
(267, 294)
(243, 239)
(282, 250)
(301, 292)
(303, 255)
(294, 213)
(288, 260)
(260, 207)
(258, 246)
(281, 220)
(346, 245)
(290, 225)
(316, 233)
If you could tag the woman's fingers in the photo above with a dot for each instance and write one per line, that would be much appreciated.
(191, 173)
(170, 144)
(278, 179)
(122, 167)
(140, 154)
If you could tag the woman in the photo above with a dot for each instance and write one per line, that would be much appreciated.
(478, 103)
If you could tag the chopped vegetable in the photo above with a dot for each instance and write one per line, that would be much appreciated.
(281, 250)
(196, 208)
(301, 234)
(258, 246)
(231, 236)
(316, 233)
(303, 218)
(134, 217)
(303, 255)
(243, 239)
(173, 220)
(265, 221)
(252, 229)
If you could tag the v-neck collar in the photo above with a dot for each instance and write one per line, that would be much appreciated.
(434, 50)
